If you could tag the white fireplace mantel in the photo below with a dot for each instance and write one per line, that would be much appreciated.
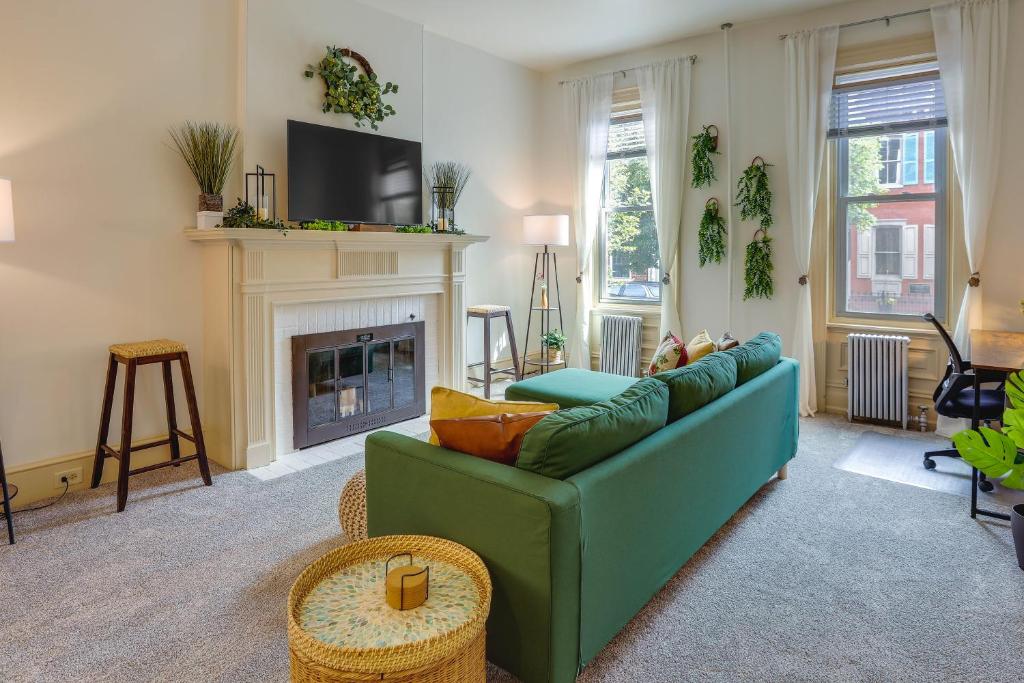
(249, 275)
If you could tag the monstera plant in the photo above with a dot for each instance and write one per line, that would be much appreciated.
(998, 453)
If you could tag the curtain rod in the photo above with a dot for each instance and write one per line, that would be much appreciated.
(692, 58)
(886, 19)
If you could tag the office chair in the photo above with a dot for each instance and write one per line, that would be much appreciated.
(954, 397)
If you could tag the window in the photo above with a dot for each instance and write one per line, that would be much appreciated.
(889, 155)
(889, 129)
(929, 157)
(910, 158)
(630, 270)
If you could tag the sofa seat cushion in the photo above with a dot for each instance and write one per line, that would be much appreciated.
(697, 384)
(756, 356)
(571, 440)
(570, 387)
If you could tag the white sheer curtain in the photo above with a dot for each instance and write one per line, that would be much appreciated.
(810, 66)
(588, 108)
(970, 39)
(665, 101)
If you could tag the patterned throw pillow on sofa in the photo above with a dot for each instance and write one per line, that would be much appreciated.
(671, 354)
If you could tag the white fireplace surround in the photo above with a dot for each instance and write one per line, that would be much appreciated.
(261, 287)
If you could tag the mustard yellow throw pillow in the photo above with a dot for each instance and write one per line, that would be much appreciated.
(446, 404)
(699, 346)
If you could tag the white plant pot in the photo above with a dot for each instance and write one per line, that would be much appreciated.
(205, 220)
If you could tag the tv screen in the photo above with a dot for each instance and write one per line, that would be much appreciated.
(344, 175)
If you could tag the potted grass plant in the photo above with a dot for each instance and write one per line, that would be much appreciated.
(447, 180)
(208, 149)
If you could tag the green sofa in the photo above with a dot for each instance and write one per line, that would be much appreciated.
(573, 560)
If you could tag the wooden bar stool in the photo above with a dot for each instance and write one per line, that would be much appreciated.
(488, 312)
(134, 354)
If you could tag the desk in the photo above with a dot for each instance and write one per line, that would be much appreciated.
(999, 352)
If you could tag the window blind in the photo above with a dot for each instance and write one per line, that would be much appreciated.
(885, 101)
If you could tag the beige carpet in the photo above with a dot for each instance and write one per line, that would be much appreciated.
(826, 576)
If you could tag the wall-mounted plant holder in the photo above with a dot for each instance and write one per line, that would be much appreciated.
(705, 144)
(712, 234)
(758, 267)
(265, 204)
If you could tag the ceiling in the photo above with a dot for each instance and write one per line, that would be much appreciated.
(547, 34)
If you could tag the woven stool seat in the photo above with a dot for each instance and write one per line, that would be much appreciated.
(144, 349)
(352, 507)
(487, 309)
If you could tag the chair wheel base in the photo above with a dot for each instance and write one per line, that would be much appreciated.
(985, 486)
(929, 464)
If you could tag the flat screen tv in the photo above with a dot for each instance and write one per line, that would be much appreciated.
(344, 175)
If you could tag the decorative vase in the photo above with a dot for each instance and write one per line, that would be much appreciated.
(211, 202)
(206, 220)
(1017, 524)
(554, 355)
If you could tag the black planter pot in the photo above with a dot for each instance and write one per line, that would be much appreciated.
(1017, 524)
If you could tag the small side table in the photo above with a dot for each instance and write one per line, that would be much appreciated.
(340, 627)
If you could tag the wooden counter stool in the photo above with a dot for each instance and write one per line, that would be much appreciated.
(134, 354)
(488, 312)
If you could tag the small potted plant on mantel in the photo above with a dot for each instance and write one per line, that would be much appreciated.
(554, 343)
(208, 149)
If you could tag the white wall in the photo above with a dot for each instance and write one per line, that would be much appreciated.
(100, 200)
(757, 129)
(87, 92)
(485, 112)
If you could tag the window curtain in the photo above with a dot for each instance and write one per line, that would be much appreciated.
(588, 108)
(665, 102)
(970, 39)
(810, 68)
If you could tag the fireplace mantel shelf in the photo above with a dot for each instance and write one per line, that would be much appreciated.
(356, 239)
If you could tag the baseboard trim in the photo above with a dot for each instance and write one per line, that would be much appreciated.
(35, 480)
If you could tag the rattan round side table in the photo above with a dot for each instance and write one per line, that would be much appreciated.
(340, 627)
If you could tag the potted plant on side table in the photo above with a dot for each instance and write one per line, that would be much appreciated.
(208, 149)
(554, 344)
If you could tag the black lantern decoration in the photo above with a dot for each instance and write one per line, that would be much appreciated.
(442, 211)
(265, 205)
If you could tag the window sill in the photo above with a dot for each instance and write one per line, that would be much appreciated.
(642, 310)
(882, 326)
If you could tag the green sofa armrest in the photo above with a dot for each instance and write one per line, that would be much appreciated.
(524, 526)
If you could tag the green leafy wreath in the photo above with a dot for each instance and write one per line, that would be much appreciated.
(350, 92)
(704, 145)
(711, 236)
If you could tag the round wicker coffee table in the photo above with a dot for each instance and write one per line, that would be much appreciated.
(341, 629)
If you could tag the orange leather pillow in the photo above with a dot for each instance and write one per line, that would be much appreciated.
(493, 437)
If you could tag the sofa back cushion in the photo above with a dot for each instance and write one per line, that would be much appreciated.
(698, 384)
(571, 440)
(756, 356)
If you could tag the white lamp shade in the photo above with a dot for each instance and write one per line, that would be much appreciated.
(6, 211)
(550, 230)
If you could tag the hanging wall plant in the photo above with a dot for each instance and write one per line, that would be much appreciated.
(755, 202)
(753, 197)
(711, 235)
(350, 92)
(704, 145)
(758, 267)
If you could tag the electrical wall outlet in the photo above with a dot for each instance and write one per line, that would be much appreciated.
(74, 477)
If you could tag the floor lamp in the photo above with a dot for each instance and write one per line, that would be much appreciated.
(7, 235)
(546, 231)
